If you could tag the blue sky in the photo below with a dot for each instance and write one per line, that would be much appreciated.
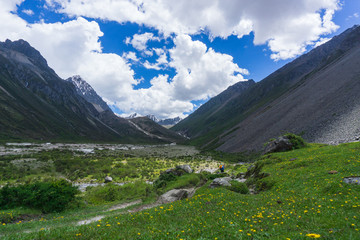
(168, 57)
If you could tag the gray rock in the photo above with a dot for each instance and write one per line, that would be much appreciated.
(108, 179)
(209, 170)
(280, 144)
(242, 180)
(218, 182)
(186, 168)
(173, 195)
(352, 180)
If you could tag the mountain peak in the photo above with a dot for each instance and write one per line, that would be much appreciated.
(25, 48)
(86, 91)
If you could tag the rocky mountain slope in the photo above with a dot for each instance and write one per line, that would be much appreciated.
(86, 91)
(316, 95)
(36, 104)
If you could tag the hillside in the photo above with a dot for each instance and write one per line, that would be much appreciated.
(36, 104)
(314, 95)
(301, 200)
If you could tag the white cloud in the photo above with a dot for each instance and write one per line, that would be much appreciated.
(286, 26)
(131, 56)
(321, 41)
(200, 73)
(139, 41)
(28, 12)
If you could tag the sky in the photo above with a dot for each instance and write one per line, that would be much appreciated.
(168, 57)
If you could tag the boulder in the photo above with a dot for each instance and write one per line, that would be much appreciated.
(186, 168)
(280, 144)
(173, 195)
(242, 180)
(218, 182)
(352, 180)
(209, 170)
(108, 179)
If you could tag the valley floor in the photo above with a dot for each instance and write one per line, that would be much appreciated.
(304, 197)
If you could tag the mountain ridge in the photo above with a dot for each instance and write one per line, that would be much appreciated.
(225, 128)
(38, 105)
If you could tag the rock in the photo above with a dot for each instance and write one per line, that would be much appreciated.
(209, 170)
(218, 182)
(357, 138)
(108, 179)
(242, 180)
(352, 180)
(240, 175)
(293, 159)
(333, 172)
(174, 171)
(173, 195)
(280, 144)
(186, 168)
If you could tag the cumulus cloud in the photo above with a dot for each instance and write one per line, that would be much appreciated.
(321, 41)
(288, 27)
(28, 12)
(201, 72)
(73, 47)
(139, 41)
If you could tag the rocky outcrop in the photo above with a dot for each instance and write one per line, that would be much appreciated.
(108, 179)
(174, 195)
(186, 168)
(279, 144)
(352, 180)
(219, 182)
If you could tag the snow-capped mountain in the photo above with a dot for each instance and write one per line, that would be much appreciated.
(86, 91)
(170, 121)
(134, 115)
(162, 122)
(152, 117)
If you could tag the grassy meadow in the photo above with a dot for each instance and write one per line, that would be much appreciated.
(305, 198)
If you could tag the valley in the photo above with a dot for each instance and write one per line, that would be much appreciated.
(303, 196)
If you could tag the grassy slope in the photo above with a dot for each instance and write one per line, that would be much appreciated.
(305, 199)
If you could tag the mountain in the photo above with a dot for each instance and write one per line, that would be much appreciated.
(86, 91)
(169, 121)
(316, 95)
(36, 104)
(155, 130)
(206, 118)
(134, 115)
(152, 117)
(163, 122)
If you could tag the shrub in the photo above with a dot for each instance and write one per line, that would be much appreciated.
(297, 141)
(264, 184)
(111, 192)
(238, 187)
(45, 196)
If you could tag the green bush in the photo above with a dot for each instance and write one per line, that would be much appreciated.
(163, 179)
(297, 141)
(238, 187)
(45, 196)
(111, 192)
(187, 180)
(264, 184)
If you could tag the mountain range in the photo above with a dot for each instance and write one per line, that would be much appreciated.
(168, 122)
(316, 96)
(36, 104)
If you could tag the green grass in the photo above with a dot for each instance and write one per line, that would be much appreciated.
(305, 199)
